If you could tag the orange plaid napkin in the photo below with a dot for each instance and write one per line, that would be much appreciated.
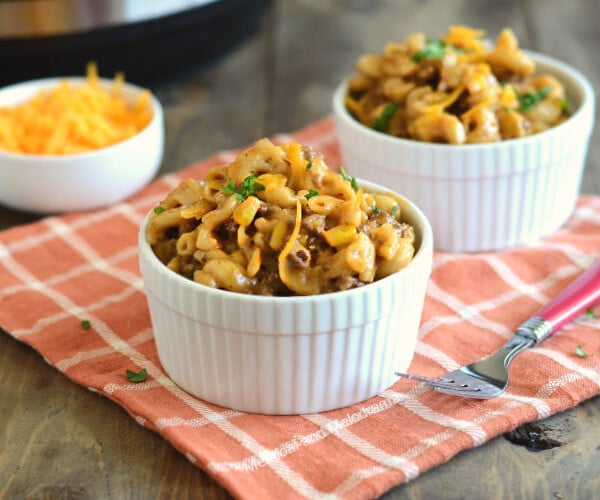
(62, 270)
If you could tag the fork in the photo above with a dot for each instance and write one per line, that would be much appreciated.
(489, 377)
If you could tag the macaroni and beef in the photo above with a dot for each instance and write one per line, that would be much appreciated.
(455, 90)
(278, 221)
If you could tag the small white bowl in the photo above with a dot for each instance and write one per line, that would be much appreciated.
(65, 183)
(288, 355)
(482, 197)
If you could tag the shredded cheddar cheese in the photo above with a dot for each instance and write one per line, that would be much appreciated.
(71, 119)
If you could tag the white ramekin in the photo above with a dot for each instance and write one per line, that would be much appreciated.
(288, 355)
(482, 197)
(83, 181)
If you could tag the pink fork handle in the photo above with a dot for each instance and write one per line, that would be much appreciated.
(582, 293)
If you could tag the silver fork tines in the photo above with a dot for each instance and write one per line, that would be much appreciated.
(459, 386)
(440, 383)
(483, 379)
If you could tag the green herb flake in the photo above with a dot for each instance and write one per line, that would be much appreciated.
(589, 312)
(136, 377)
(248, 187)
(311, 193)
(309, 165)
(434, 49)
(382, 121)
(85, 324)
(394, 211)
(159, 210)
(229, 188)
(351, 180)
(376, 209)
(530, 99)
(580, 352)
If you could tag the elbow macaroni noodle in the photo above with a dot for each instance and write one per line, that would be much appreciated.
(278, 221)
(454, 90)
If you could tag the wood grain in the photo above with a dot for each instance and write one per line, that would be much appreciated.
(59, 440)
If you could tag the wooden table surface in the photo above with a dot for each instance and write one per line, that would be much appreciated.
(59, 440)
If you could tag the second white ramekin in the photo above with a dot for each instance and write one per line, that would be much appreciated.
(482, 197)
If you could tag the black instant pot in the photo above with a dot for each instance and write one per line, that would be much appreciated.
(146, 39)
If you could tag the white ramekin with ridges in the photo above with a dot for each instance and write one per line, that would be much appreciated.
(482, 197)
(288, 355)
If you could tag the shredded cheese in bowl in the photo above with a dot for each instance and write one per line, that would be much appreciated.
(73, 118)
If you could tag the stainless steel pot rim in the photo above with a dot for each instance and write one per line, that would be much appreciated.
(59, 17)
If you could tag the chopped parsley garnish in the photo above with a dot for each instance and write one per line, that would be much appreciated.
(248, 187)
(589, 312)
(311, 193)
(376, 209)
(580, 352)
(159, 210)
(395, 209)
(309, 165)
(530, 99)
(434, 49)
(85, 324)
(351, 180)
(382, 121)
(136, 376)
(229, 188)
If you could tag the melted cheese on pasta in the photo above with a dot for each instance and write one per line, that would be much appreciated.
(278, 221)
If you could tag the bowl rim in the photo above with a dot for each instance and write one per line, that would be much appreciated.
(50, 82)
(576, 77)
(425, 251)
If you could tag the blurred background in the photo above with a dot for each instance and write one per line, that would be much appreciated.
(229, 72)
(147, 38)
